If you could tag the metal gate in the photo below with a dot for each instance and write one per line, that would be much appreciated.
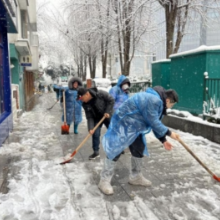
(211, 104)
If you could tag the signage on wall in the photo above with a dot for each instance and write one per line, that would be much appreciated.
(25, 60)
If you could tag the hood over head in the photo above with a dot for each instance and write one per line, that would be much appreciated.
(74, 79)
(122, 80)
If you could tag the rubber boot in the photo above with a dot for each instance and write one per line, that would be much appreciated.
(75, 128)
(136, 177)
(106, 176)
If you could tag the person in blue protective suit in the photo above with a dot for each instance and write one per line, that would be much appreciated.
(56, 89)
(73, 106)
(129, 124)
(120, 91)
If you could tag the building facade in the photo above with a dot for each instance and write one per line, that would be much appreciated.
(203, 27)
(18, 60)
(6, 26)
(24, 55)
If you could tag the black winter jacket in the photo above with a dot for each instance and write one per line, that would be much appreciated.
(100, 104)
(161, 91)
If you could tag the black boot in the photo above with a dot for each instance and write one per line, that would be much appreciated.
(94, 155)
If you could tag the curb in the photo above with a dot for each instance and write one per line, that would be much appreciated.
(210, 132)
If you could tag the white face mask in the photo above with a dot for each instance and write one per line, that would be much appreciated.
(125, 86)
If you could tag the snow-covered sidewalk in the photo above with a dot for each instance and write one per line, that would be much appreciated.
(41, 189)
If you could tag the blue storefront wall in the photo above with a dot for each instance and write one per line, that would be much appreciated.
(6, 121)
(17, 73)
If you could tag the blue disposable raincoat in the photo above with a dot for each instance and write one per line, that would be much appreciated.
(73, 106)
(137, 115)
(117, 93)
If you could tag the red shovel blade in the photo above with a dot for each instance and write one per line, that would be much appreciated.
(216, 178)
(68, 160)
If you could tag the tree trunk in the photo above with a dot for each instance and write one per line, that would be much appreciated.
(170, 12)
(78, 71)
(127, 36)
(92, 66)
(85, 69)
(173, 14)
(104, 63)
(181, 24)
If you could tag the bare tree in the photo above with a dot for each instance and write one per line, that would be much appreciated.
(104, 21)
(179, 14)
(132, 19)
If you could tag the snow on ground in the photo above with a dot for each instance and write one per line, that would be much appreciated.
(41, 189)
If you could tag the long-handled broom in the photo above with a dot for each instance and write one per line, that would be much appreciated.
(53, 105)
(83, 142)
(201, 163)
(64, 127)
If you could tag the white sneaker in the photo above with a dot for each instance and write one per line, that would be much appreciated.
(139, 180)
(105, 187)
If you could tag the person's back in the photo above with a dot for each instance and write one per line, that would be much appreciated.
(129, 124)
(136, 115)
(96, 103)
(97, 106)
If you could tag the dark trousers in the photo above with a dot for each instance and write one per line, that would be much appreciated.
(136, 148)
(96, 135)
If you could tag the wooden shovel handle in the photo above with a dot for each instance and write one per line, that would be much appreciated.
(87, 137)
(64, 106)
(201, 163)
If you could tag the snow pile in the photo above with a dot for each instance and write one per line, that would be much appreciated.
(202, 48)
(188, 116)
(41, 189)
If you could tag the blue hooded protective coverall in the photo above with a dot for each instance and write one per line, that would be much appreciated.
(73, 106)
(117, 93)
(137, 115)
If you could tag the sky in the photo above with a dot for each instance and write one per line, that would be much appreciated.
(41, 189)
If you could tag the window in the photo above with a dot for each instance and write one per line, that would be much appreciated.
(2, 108)
(24, 24)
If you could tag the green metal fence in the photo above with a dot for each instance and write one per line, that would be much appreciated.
(138, 86)
(211, 96)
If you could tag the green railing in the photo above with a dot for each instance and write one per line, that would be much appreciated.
(211, 97)
(135, 86)
(138, 86)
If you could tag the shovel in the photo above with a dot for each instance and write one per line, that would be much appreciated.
(64, 127)
(201, 163)
(83, 142)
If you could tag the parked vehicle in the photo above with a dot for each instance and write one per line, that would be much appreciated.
(62, 81)
(102, 84)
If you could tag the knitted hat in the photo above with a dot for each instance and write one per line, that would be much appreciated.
(81, 91)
